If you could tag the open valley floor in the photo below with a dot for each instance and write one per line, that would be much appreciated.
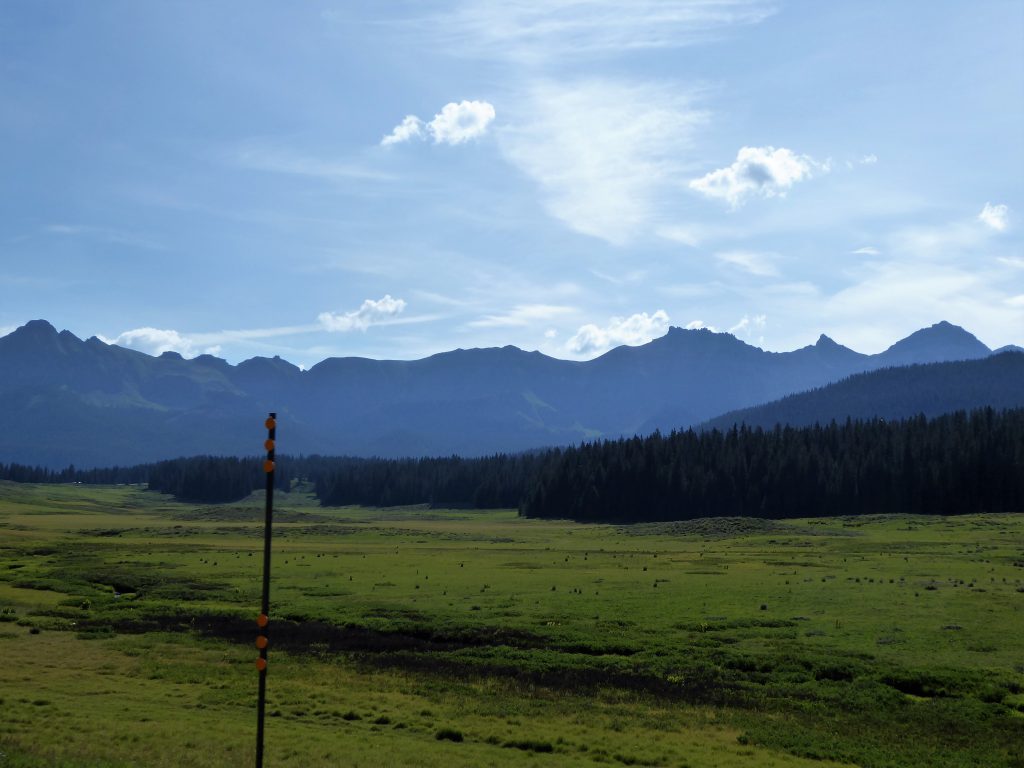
(417, 636)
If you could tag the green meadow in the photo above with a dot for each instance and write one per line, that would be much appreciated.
(414, 636)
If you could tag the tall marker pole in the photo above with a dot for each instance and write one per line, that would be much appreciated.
(264, 618)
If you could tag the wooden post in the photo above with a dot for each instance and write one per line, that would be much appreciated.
(264, 618)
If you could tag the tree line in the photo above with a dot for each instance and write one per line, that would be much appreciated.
(953, 464)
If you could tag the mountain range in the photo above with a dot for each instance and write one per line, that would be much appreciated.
(90, 403)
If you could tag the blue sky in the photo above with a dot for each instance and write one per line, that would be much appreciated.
(397, 179)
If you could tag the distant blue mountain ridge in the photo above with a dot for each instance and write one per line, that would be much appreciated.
(94, 404)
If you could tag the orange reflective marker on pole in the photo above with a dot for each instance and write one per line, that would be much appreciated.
(270, 423)
(261, 664)
(268, 444)
(261, 642)
(262, 620)
(268, 466)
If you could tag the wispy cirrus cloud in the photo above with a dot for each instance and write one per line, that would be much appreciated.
(530, 32)
(753, 262)
(274, 158)
(602, 150)
(920, 275)
(758, 172)
(454, 124)
(608, 155)
(156, 341)
(521, 315)
(908, 296)
(639, 328)
(107, 235)
(750, 328)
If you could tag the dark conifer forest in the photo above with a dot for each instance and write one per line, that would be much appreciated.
(953, 464)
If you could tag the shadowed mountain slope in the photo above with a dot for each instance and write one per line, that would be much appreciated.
(896, 393)
(94, 404)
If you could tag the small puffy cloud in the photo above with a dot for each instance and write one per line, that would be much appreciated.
(869, 159)
(635, 329)
(750, 261)
(758, 171)
(411, 127)
(995, 216)
(454, 124)
(156, 341)
(369, 313)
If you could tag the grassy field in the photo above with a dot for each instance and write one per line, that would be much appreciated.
(420, 637)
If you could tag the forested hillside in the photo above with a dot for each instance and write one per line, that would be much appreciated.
(896, 393)
(952, 464)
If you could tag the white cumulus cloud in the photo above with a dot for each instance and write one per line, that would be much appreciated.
(995, 216)
(758, 171)
(454, 124)
(867, 250)
(411, 127)
(635, 329)
(156, 341)
(369, 313)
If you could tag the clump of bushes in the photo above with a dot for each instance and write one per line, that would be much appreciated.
(529, 745)
(448, 734)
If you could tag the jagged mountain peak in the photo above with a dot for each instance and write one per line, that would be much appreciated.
(692, 339)
(34, 330)
(466, 402)
(939, 342)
